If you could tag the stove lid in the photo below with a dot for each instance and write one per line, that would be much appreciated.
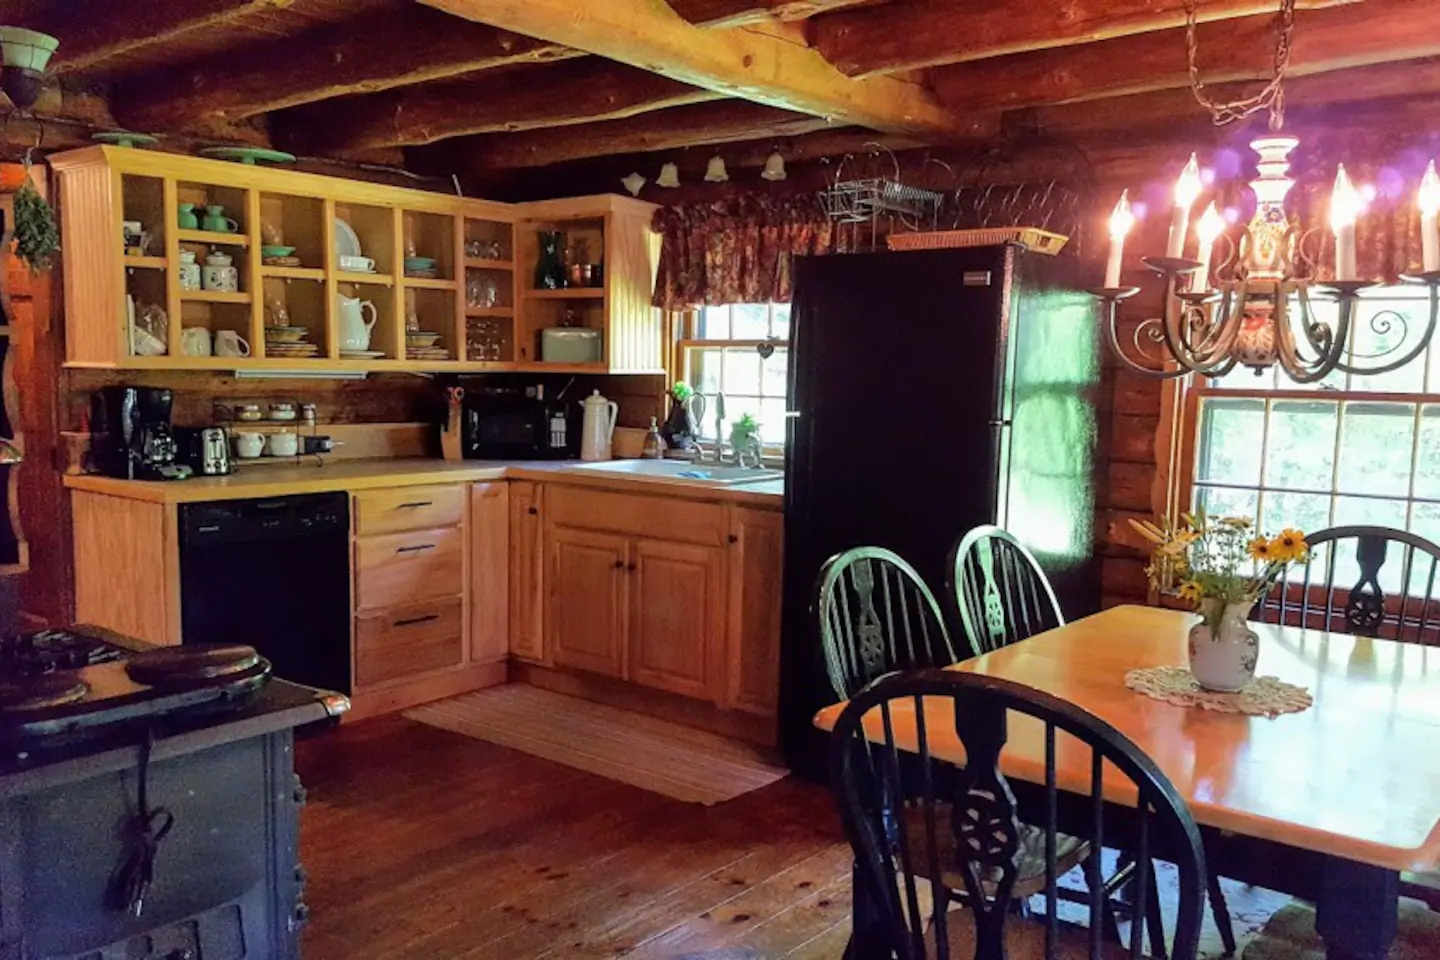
(193, 663)
(42, 692)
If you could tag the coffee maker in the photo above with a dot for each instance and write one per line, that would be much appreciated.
(130, 434)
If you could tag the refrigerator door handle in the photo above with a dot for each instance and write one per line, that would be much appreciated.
(1000, 423)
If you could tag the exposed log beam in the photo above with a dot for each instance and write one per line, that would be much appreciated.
(739, 63)
(584, 91)
(90, 37)
(739, 13)
(909, 34)
(374, 54)
(700, 125)
(1332, 39)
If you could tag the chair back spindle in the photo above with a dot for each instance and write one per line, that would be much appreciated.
(999, 589)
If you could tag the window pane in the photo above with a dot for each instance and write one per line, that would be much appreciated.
(1307, 512)
(742, 372)
(772, 420)
(714, 323)
(1301, 451)
(1375, 448)
(1382, 333)
(775, 374)
(1232, 436)
(749, 321)
(1427, 465)
(736, 407)
(1225, 502)
(780, 321)
(705, 370)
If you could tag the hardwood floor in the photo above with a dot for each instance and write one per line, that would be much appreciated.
(421, 843)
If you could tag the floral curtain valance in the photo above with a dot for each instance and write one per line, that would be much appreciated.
(737, 251)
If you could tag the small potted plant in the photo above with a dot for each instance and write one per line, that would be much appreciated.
(1221, 567)
(745, 438)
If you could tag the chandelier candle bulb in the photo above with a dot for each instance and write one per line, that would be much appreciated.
(1187, 191)
(1121, 220)
(1344, 209)
(1430, 218)
(1209, 228)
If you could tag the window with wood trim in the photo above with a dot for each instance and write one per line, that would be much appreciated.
(1348, 450)
(718, 354)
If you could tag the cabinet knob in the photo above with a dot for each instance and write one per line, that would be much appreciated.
(733, 538)
(631, 568)
(533, 511)
(619, 564)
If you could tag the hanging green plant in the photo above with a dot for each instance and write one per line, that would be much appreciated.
(37, 237)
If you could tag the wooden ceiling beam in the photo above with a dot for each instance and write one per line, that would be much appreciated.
(1240, 49)
(699, 125)
(584, 91)
(739, 13)
(910, 34)
(739, 63)
(90, 38)
(366, 56)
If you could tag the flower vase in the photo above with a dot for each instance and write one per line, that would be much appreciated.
(1223, 657)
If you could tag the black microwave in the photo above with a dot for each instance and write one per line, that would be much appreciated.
(504, 423)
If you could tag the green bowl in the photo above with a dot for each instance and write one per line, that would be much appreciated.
(271, 251)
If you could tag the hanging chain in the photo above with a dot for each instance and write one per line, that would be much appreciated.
(1271, 97)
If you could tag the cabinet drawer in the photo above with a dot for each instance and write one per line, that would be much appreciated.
(660, 517)
(408, 508)
(401, 568)
(415, 638)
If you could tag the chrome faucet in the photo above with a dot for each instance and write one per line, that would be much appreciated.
(718, 452)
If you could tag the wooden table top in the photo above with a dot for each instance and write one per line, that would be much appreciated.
(1357, 775)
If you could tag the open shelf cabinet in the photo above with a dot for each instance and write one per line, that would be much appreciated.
(285, 233)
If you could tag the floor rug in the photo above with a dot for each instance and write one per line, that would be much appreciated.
(666, 758)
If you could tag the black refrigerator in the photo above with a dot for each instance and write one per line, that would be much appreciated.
(933, 391)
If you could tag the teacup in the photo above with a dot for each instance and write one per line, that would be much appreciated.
(357, 264)
(282, 444)
(248, 446)
(228, 343)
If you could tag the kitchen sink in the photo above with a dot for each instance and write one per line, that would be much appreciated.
(680, 471)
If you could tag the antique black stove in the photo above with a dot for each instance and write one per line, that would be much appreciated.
(148, 802)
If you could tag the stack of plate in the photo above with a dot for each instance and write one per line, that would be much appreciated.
(361, 354)
(421, 345)
(289, 342)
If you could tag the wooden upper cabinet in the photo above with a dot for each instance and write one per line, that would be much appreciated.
(677, 602)
(587, 588)
(527, 572)
(614, 233)
(489, 571)
(491, 244)
(756, 565)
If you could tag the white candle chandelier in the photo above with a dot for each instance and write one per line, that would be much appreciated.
(1254, 306)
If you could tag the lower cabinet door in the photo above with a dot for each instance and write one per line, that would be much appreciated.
(408, 640)
(757, 570)
(677, 613)
(586, 585)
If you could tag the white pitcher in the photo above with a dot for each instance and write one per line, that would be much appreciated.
(354, 331)
(598, 427)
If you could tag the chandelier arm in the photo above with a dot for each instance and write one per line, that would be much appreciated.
(1112, 332)
(1295, 366)
(1321, 345)
(1224, 332)
(1175, 340)
(1415, 351)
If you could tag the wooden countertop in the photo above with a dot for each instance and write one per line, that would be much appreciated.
(1354, 776)
(273, 481)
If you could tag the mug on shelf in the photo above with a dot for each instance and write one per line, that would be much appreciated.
(187, 219)
(195, 342)
(282, 444)
(228, 343)
(248, 446)
(357, 264)
(216, 222)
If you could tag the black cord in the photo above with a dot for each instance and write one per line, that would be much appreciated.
(131, 880)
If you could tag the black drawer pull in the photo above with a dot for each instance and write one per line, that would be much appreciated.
(412, 621)
(533, 510)
(415, 549)
(416, 503)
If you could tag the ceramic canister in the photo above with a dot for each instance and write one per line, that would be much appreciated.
(219, 275)
(189, 271)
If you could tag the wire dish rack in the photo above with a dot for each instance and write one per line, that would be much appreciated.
(864, 199)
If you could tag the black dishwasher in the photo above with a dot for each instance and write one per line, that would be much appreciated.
(273, 573)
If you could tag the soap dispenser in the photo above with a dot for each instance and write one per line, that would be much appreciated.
(654, 448)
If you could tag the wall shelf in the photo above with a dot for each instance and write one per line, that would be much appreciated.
(293, 273)
(429, 283)
(215, 296)
(569, 293)
(378, 279)
(479, 263)
(489, 311)
(213, 237)
(146, 263)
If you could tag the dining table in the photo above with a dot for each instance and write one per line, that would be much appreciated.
(1331, 804)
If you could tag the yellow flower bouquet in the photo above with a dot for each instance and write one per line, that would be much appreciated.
(1221, 567)
(1215, 562)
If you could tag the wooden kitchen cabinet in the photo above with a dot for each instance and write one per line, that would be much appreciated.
(752, 621)
(586, 585)
(527, 572)
(408, 640)
(677, 602)
(489, 571)
(400, 568)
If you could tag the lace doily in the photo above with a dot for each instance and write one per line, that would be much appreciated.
(1262, 697)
